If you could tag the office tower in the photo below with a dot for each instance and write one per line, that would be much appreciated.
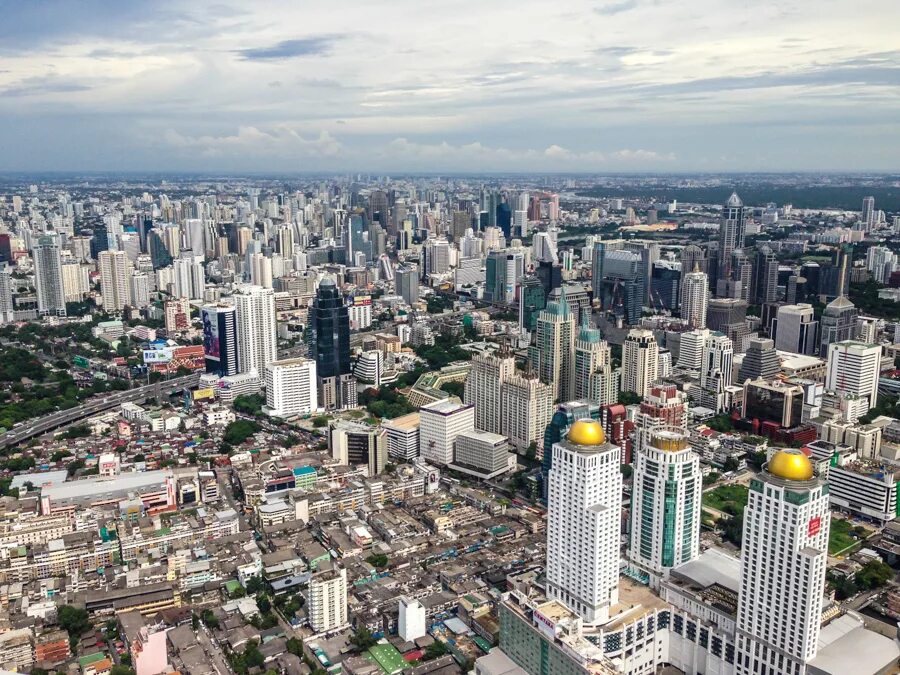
(765, 277)
(666, 502)
(783, 560)
(503, 270)
(690, 349)
(5, 247)
(156, 246)
(256, 329)
(328, 600)
(115, 288)
(741, 281)
(543, 248)
(773, 405)
(436, 253)
(665, 405)
(7, 313)
(623, 281)
(640, 361)
(595, 378)
(583, 522)
(356, 238)
(665, 285)
(353, 443)
(378, 210)
(526, 407)
(331, 326)
(868, 213)
(462, 221)
(504, 219)
(693, 259)
(369, 367)
(483, 385)
(795, 289)
(838, 322)
(760, 361)
(139, 290)
(406, 280)
(440, 423)
(220, 339)
(715, 372)
(468, 273)
(795, 329)
(853, 368)
(552, 355)
(532, 299)
(260, 270)
(520, 223)
(731, 234)
(291, 388)
(48, 280)
(881, 262)
(694, 297)
(729, 316)
(481, 454)
(402, 437)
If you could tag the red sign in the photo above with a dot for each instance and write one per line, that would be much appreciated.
(815, 524)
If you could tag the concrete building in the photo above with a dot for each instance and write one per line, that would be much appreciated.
(402, 437)
(553, 354)
(640, 361)
(115, 269)
(595, 378)
(411, 620)
(854, 368)
(48, 280)
(481, 454)
(291, 388)
(256, 329)
(695, 298)
(483, 389)
(526, 405)
(440, 423)
(795, 329)
(352, 443)
(328, 601)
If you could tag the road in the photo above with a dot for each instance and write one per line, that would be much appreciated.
(41, 425)
(212, 650)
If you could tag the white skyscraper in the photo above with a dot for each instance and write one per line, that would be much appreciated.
(7, 315)
(115, 286)
(190, 276)
(583, 522)
(853, 368)
(695, 298)
(783, 559)
(690, 349)
(796, 329)
(868, 213)
(527, 406)
(140, 290)
(291, 388)
(439, 425)
(256, 330)
(666, 502)
(483, 386)
(640, 361)
(715, 372)
(48, 281)
(552, 356)
(260, 270)
(328, 600)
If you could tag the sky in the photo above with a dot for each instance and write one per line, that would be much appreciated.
(462, 86)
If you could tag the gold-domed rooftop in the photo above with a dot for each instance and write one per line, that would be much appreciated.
(586, 432)
(791, 465)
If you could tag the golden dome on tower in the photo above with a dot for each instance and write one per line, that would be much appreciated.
(586, 432)
(791, 465)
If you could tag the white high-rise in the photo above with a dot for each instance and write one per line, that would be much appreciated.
(640, 361)
(7, 315)
(139, 286)
(260, 270)
(256, 330)
(796, 329)
(715, 373)
(190, 276)
(584, 503)
(552, 356)
(695, 298)
(595, 378)
(666, 502)
(853, 368)
(527, 406)
(690, 349)
(115, 285)
(439, 425)
(291, 388)
(48, 281)
(483, 386)
(783, 560)
(328, 600)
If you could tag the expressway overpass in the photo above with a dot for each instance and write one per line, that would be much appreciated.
(41, 425)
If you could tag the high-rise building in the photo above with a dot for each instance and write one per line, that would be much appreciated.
(838, 322)
(260, 270)
(115, 269)
(868, 213)
(690, 349)
(139, 289)
(731, 235)
(406, 281)
(760, 361)
(795, 329)
(355, 443)
(220, 339)
(177, 315)
(7, 312)
(440, 423)
(693, 259)
(595, 378)
(328, 600)
(402, 437)
(783, 560)
(190, 276)
(666, 502)
(483, 387)
(854, 368)
(665, 405)
(411, 620)
(764, 287)
(331, 326)
(503, 270)
(729, 316)
(48, 281)
(881, 263)
(694, 297)
(716, 371)
(552, 355)
(436, 253)
(257, 344)
(532, 299)
(291, 388)
(583, 522)
(640, 361)
(526, 408)
(665, 285)
(481, 454)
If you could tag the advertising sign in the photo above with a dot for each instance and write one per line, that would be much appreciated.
(210, 333)
(157, 355)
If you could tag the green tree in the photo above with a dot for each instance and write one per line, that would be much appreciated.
(629, 398)
(874, 574)
(434, 651)
(379, 560)
(626, 470)
(120, 669)
(362, 639)
(74, 620)
(295, 646)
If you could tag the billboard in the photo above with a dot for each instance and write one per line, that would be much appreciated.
(211, 346)
(202, 394)
(157, 355)
(81, 362)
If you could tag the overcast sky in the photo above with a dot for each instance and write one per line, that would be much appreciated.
(440, 85)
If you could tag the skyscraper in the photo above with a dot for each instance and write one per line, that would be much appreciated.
(765, 277)
(48, 279)
(7, 315)
(731, 235)
(640, 361)
(552, 355)
(838, 322)
(331, 326)
(690, 349)
(760, 361)
(695, 297)
(440, 423)
(853, 368)
(666, 502)
(406, 282)
(583, 512)
(483, 387)
(783, 560)
(114, 282)
(526, 408)
(868, 213)
(291, 388)
(503, 270)
(257, 345)
(532, 299)
(715, 373)
(220, 339)
(795, 329)
(595, 378)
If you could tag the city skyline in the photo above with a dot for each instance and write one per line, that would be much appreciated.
(591, 86)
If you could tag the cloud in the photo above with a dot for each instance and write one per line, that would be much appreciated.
(281, 141)
(613, 8)
(37, 86)
(289, 49)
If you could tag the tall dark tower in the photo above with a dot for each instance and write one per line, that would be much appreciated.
(731, 234)
(331, 323)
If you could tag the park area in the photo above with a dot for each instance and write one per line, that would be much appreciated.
(729, 499)
(844, 537)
